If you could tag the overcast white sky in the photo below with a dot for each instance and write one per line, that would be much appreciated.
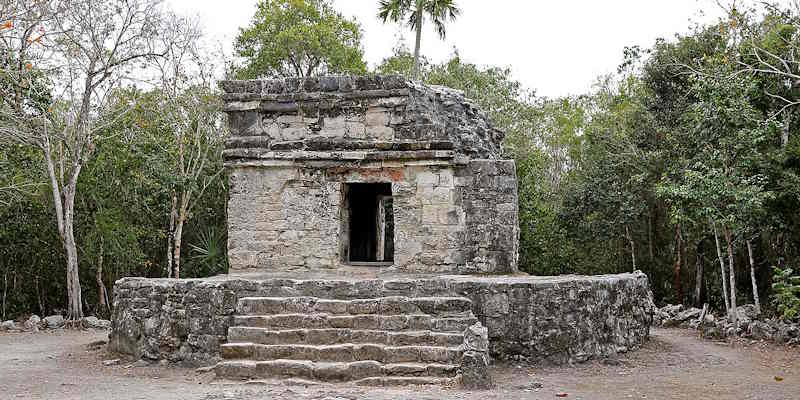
(556, 47)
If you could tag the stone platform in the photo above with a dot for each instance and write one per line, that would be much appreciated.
(544, 319)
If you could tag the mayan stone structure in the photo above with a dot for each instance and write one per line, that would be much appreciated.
(355, 170)
(373, 237)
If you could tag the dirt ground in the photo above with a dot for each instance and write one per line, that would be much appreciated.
(674, 364)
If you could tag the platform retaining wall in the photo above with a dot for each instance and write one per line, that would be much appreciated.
(544, 319)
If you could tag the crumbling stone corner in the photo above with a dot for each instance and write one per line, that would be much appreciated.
(475, 362)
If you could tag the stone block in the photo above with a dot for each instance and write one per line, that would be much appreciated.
(383, 133)
(476, 338)
(427, 178)
(370, 352)
(377, 118)
(475, 371)
(356, 130)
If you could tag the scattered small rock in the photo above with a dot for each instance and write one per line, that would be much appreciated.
(611, 361)
(203, 370)
(8, 326)
(32, 324)
(54, 322)
(141, 363)
(96, 323)
(96, 345)
(715, 328)
(533, 386)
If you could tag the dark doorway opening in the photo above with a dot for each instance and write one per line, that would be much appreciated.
(371, 223)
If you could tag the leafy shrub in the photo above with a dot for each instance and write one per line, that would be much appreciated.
(786, 294)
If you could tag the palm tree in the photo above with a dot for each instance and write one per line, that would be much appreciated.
(439, 12)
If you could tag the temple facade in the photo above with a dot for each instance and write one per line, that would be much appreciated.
(366, 171)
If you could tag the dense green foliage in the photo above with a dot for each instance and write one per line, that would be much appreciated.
(786, 285)
(122, 218)
(299, 38)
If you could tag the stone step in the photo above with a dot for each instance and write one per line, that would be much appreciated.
(414, 322)
(382, 305)
(404, 381)
(363, 372)
(342, 335)
(343, 353)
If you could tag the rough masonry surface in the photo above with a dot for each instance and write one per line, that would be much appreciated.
(553, 320)
(297, 144)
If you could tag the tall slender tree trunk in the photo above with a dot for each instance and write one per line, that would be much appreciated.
(418, 42)
(787, 120)
(75, 303)
(698, 278)
(734, 314)
(753, 277)
(176, 272)
(5, 292)
(64, 208)
(173, 215)
(677, 268)
(102, 294)
(722, 269)
(38, 295)
(179, 223)
(633, 248)
(650, 233)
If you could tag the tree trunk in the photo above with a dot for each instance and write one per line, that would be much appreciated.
(734, 315)
(420, 13)
(102, 294)
(753, 278)
(633, 248)
(698, 279)
(177, 251)
(650, 234)
(5, 292)
(64, 208)
(75, 303)
(787, 120)
(39, 295)
(722, 267)
(677, 269)
(171, 235)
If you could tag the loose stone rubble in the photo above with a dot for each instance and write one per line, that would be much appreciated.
(34, 323)
(711, 327)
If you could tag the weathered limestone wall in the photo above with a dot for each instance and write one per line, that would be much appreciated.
(486, 190)
(561, 319)
(555, 319)
(295, 143)
(448, 219)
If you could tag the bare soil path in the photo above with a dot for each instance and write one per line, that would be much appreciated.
(674, 364)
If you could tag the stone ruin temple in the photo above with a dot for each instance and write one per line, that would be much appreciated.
(373, 237)
(368, 172)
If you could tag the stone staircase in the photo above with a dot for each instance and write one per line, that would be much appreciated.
(376, 342)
